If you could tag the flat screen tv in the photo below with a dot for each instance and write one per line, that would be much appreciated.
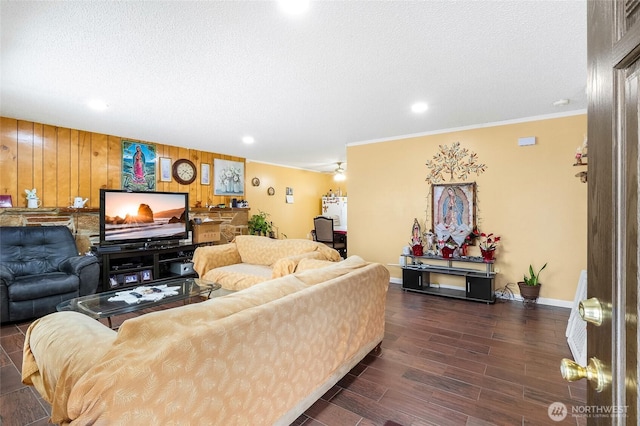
(130, 218)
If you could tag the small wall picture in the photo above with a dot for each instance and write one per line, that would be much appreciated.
(146, 275)
(289, 195)
(165, 169)
(205, 169)
(131, 278)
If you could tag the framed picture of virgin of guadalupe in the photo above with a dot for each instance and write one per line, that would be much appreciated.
(454, 210)
(138, 166)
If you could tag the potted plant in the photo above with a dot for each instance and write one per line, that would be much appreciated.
(448, 248)
(259, 225)
(530, 286)
(488, 245)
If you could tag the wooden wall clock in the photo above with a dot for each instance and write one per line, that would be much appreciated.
(184, 171)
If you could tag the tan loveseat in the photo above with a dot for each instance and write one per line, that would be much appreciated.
(250, 259)
(259, 356)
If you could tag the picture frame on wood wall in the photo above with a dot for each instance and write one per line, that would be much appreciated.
(228, 177)
(164, 166)
(205, 173)
(138, 166)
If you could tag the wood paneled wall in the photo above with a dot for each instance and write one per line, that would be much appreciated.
(64, 163)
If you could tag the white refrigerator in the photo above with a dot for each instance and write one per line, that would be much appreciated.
(336, 209)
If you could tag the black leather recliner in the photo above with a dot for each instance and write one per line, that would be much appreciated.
(39, 268)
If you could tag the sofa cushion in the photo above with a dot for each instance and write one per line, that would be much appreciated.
(306, 264)
(38, 286)
(238, 276)
(266, 251)
(337, 269)
(288, 265)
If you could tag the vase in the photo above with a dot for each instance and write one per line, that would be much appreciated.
(447, 252)
(487, 255)
(529, 292)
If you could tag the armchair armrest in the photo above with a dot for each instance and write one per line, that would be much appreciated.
(6, 274)
(75, 265)
(209, 257)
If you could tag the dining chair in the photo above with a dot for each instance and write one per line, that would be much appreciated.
(323, 227)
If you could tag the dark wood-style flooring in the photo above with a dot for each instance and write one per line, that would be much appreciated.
(443, 362)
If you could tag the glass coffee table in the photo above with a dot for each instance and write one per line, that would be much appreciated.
(134, 299)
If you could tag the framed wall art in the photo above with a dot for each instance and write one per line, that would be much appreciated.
(205, 170)
(138, 166)
(453, 210)
(228, 177)
(165, 169)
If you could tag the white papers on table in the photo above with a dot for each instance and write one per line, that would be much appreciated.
(147, 294)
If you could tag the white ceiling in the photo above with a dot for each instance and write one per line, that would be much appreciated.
(203, 74)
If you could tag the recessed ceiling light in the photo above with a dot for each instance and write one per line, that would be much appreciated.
(294, 7)
(419, 107)
(248, 140)
(97, 104)
(561, 102)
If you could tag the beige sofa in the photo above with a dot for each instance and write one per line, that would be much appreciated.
(250, 259)
(259, 356)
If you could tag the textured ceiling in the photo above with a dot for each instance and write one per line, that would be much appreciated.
(205, 74)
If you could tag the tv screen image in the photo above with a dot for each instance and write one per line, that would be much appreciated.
(132, 217)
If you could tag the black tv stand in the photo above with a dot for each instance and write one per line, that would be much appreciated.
(123, 267)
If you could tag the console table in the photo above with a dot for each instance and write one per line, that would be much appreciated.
(480, 282)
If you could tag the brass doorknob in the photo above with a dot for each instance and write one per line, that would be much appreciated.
(591, 310)
(572, 371)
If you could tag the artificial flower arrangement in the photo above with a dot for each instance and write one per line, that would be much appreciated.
(488, 242)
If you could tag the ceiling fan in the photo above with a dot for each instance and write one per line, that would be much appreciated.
(338, 174)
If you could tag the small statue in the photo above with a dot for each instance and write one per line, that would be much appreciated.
(31, 195)
(32, 199)
(581, 152)
(416, 238)
(430, 242)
